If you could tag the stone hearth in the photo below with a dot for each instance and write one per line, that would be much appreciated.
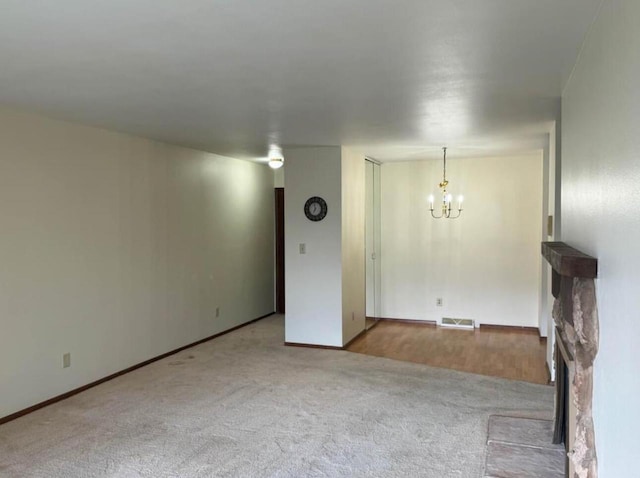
(519, 447)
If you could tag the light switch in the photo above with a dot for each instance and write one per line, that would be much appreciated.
(303, 248)
(66, 360)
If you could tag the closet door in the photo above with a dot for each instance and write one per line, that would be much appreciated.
(372, 238)
(377, 234)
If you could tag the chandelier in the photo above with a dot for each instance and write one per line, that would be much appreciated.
(445, 209)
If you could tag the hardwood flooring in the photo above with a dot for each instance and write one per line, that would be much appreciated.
(507, 353)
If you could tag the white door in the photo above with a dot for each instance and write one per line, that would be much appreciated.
(372, 235)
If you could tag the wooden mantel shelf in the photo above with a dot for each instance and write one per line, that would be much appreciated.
(569, 262)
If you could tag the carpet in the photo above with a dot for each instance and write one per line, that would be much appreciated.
(244, 405)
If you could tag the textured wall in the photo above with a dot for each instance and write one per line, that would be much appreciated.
(486, 264)
(313, 280)
(353, 243)
(118, 249)
(600, 200)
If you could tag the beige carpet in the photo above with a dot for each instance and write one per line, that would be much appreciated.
(243, 405)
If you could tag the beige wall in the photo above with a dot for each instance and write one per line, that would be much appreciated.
(278, 177)
(486, 264)
(353, 243)
(600, 204)
(118, 249)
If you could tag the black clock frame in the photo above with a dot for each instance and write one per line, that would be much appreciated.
(323, 208)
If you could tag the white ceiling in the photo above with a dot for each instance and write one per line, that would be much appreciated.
(399, 78)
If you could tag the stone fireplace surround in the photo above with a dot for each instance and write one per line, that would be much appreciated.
(576, 317)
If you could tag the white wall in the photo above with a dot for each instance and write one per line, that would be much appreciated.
(600, 204)
(353, 243)
(118, 249)
(278, 177)
(313, 285)
(324, 288)
(486, 264)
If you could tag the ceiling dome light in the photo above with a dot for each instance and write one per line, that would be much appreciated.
(275, 163)
(276, 160)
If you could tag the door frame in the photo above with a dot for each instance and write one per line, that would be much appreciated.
(279, 250)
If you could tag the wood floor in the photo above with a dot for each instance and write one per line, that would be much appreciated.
(514, 354)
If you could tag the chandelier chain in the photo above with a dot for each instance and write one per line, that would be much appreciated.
(444, 170)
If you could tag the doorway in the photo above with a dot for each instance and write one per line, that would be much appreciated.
(372, 242)
(279, 239)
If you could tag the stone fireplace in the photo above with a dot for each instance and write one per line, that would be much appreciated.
(576, 318)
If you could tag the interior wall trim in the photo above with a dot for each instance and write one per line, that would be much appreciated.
(514, 328)
(353, 339)
(375, 320)
(329, 347)
(313, 346)
(75, 391)
(429, 323)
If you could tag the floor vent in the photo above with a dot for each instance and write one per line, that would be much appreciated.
(458, 323)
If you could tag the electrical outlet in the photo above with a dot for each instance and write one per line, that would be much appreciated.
(66, 360)
(439, 302)
(217, 312)
(303, 248)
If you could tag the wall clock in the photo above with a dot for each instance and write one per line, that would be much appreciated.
(315, 208)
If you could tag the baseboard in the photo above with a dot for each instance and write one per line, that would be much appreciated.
(511, 328)
(433, 323)
(327, 347)
(376, 321)
(358, 335)
(313, 346)
(429, 323)
(75, 391)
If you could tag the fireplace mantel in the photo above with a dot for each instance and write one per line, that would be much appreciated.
(569, 262)
(577, 330)
(567, 265)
